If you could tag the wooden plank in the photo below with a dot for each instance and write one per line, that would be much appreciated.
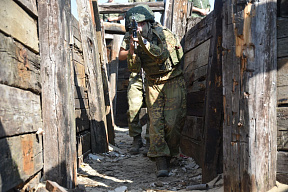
(282, 50)
(195, 103)
(212, 155)
(20, 111)
(114, 28)
(249, 152)
(282, 27)
(80, 92)
(282, 140)
(282, 75)
(81, 103)
(197, 57)
(112, 68)
(283, 4)
(57, 92)
(192, 148)
(106, 85)
(199, 33)
(123, 7)
(82, 120)
(22, 159)
(22, 67)
(193, 128)
(30, 6)
(282, 166)
(99, 133)
(18, 24)
(282, 118)
(83, 143)
(179, 19)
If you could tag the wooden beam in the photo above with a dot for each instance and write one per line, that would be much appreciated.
(213, 128)
(249, 95)
(99, 133)
(114, 28)
(106, 86)
(123, 7)
(60, 158)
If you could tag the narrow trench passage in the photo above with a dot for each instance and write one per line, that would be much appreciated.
(119, 171)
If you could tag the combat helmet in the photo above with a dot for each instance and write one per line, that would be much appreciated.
(141, 13)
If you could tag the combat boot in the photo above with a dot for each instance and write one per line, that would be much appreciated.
(147, 146)
(136, 145)
(162, 168)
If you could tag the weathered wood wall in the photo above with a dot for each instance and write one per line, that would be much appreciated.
(196, 58)
(20, 87)
(282, 90)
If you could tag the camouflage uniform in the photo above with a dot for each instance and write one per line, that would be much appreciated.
(135, 98)
(201, 4)
(166, 92)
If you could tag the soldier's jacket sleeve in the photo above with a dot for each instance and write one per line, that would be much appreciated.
(133, 62)
(165, 47)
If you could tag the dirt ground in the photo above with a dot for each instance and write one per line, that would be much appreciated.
(118, 171)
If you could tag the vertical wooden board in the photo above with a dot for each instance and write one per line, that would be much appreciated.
(20, 111)
(19, 66)
(22, 159)
(17, 23)
(179, 18)
(57, 92)
(83, 143)
(257, 74)
(99, 134)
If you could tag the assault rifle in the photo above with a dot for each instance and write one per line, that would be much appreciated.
(134, 27)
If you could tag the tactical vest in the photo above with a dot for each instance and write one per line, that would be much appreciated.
(155, 61)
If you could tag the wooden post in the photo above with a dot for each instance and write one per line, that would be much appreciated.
(212, 148)
(106, 86)
(249, 100)
(99, 136)
(57, 92)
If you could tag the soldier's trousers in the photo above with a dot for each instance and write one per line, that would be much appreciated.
(166, 104)
(135, 102)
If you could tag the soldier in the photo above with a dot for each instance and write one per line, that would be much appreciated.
(200, 8)
(136, 100)
(158, 53)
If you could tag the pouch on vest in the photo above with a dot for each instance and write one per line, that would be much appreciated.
(134, 63)
(177, 54)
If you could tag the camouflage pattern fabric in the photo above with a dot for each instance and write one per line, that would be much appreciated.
(201, 4)
(135, 102)
(166, 104)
